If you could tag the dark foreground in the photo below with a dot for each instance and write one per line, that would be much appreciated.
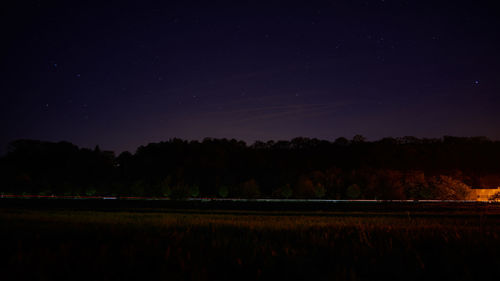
(42, 240)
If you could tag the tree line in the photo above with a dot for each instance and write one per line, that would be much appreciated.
(390, 168)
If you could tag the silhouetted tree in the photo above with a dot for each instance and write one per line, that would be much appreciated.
(391, 168)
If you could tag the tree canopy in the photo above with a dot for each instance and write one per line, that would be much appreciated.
(390, 168)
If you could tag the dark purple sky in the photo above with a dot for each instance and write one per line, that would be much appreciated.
(122, 75)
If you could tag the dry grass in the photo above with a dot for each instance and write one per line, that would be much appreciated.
(90, 245)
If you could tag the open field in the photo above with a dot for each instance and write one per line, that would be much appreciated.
(437, 242)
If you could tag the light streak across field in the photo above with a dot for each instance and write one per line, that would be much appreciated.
(210, 199)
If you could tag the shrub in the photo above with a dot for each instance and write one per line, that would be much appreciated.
(305, 188)
(319, 191)
(194, 191)
(164, 188)
(495, 197)
(249, 189)
(90, 191)
(353, 191)
(223, 191)
(286, 191)
(448, 188)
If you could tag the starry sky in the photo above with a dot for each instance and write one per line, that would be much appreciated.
(120, 74)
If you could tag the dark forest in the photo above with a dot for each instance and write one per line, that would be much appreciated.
(390, 168)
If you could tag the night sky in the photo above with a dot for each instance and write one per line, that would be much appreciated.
(120, 74)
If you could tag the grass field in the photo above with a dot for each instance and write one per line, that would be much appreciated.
(74, 244)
